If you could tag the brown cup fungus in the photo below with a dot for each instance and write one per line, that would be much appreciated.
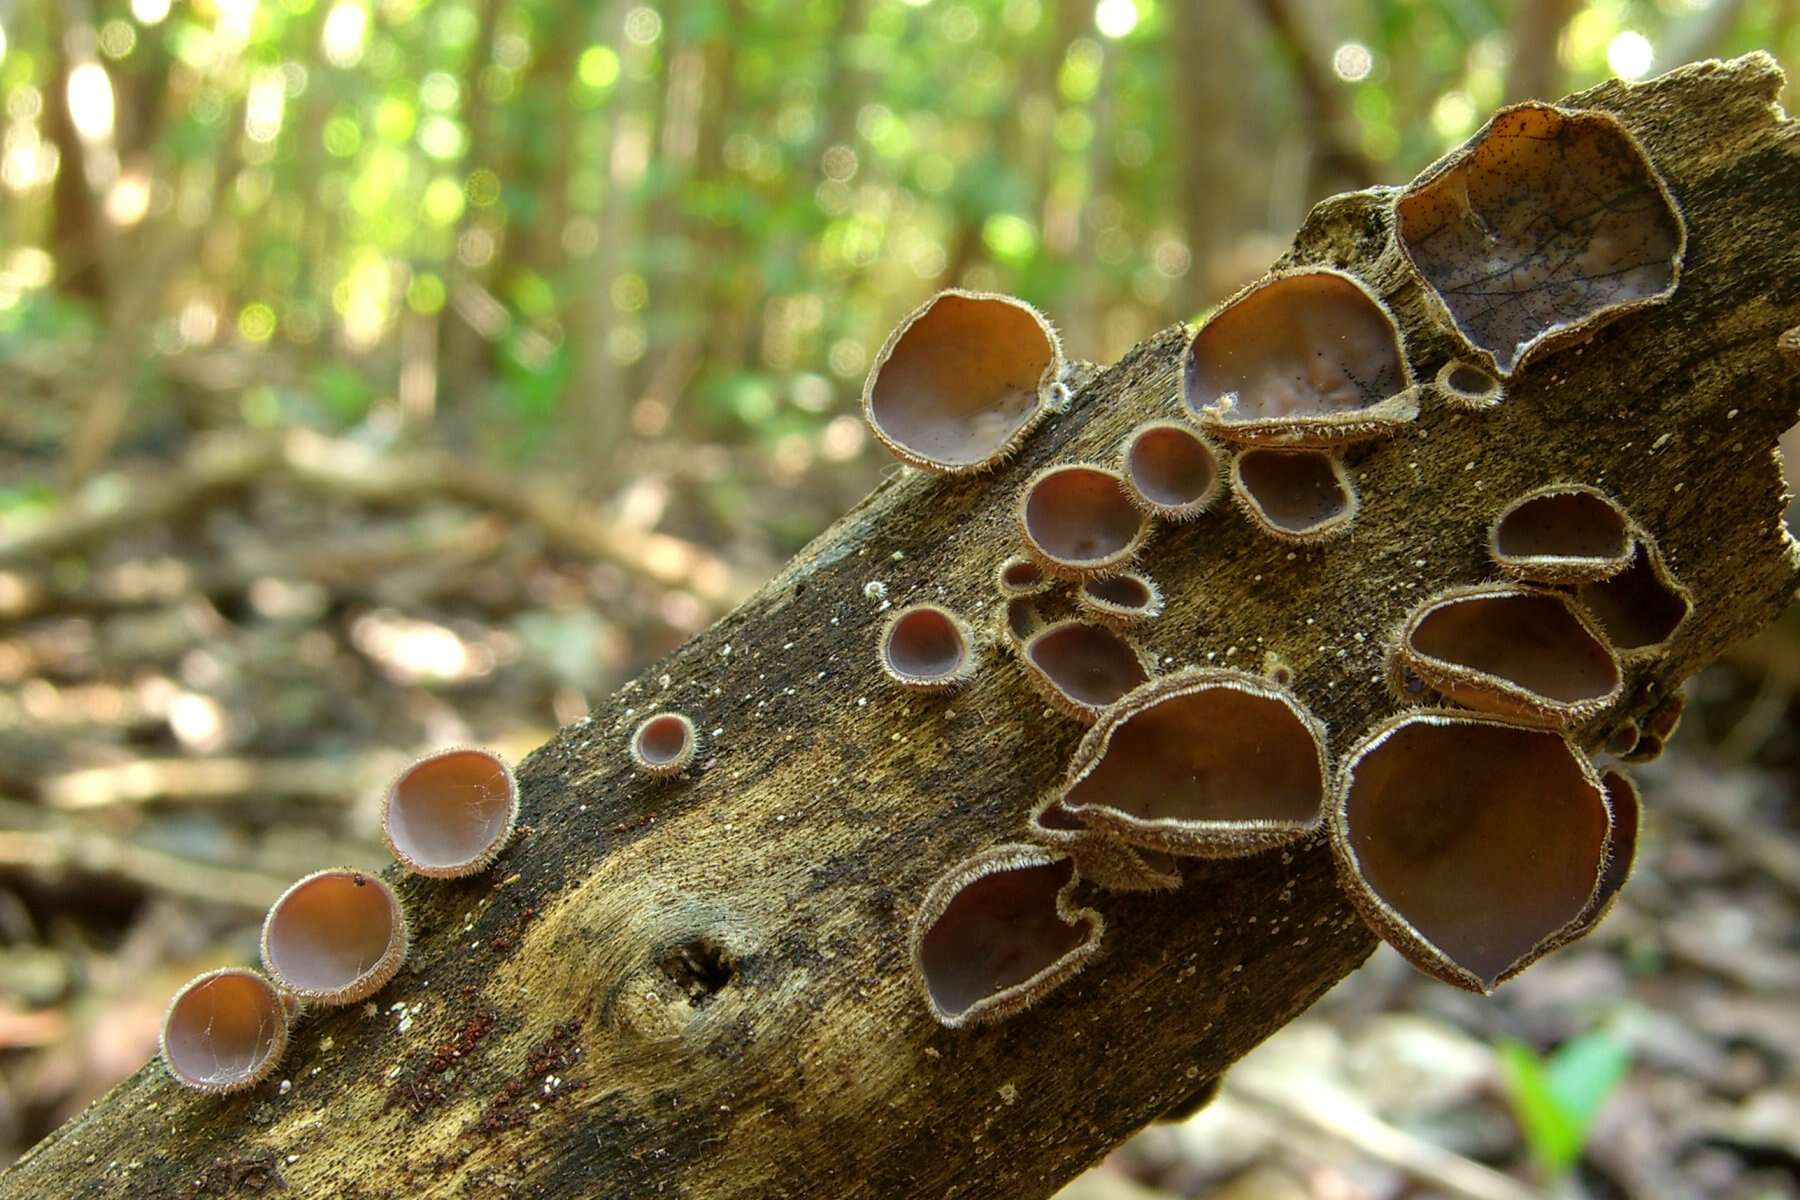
(1170, 471)
(928, 648)
(1078, 523)
(451, 813)
(962, 381)
(1206, 763)
(225, 1031)
(1019, 576)
(1563, 533)
(1469, 843)
(1514, 652)
(336, 937)
(663, 745)
(1120, 600)
(1021, 619)
(1542, 227)
(1468, 386)
(1100, 858)
(1082, 667)
(1640, 607)
(1296, 495)
(1308, 358)
(997, 933)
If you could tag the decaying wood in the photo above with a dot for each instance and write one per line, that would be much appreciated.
(700, 987)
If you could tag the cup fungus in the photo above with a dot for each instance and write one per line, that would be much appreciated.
(1081, 667)
(1121, 599)
(928, 648)
(1468, 842)
(450, 814)
(1296, 495)
(1307, 358)
(1100, 858)
(1078, 523)
(1467, 385)
(336, 936)
(997, 932)
(1627, 812)
(663, 744)
(1170, 471)
(962, 381)
(1507, 650)
(1640, 607)
(1019, 576)
(225, 1031)
(1022, 619)
(1541, 228)
(1207, 763)
(1563, 533)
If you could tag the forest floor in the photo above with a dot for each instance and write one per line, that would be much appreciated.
(210, 667)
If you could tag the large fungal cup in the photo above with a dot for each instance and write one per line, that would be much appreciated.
(1081, 667)
(1296, 495)
(663, 744)
(995, 934)
(1469, 843)
(928, 648)
(1309, 358)
(1564, 533)
(962, 381)
(449, 814)
(1078, 522)
(1170, 471)
(224, 1031)
(1542, 227)
(336, 936)
(1204, 762)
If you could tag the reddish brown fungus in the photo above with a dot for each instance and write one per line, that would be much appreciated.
(1081, 668)
(224, 1031)
(1170, 471)
(1563, 533)
(1100, 858)
(1297, 495)
(1627, 812)
(1204, 762)
(1019, 576)
(1121, 599)
(336, 936)
(928, 648)
(1468, 842)
(1514, 652)
(962, 380)
(1078, 523)
(663, 744)
(1541, 228)
(1309, 358)
(997, 932)
(449, 814)
(1640, 607)
(1022, 619)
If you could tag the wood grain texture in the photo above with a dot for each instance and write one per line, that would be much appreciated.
(700, 988)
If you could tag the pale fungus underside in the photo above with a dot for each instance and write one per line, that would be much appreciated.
(1562, 533)
(1295, 495)
(225, 1031)
(1544, 226)
(450, 813)
(335, 937)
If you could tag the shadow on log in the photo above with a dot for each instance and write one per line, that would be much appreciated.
(700, 987)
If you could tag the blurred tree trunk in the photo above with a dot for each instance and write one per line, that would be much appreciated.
(78, 232)
(1536, 71)
(702, 987)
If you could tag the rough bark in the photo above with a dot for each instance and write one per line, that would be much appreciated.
(701, 988)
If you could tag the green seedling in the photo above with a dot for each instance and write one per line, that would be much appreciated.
(1557, 1097)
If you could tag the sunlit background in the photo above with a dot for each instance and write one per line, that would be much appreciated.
(379, 375)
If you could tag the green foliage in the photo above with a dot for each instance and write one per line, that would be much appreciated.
(1556, 1099)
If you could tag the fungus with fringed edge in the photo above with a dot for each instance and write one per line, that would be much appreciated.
(1544, 226)
(928, 649)
(1101, 858)
(1642, 606)
(1081, 667)
(1512, 651)
(450, 813)
(962, 381)
(1020, 576)
(998, 932)
(1470, 843)
(1561, 533)
(1467, 385)
(1304, 358)
(1205, 763)
(1170, 471)
(225, 1031)
(1121, 600)
(1019, 620)
(1078, 523)
(663, 744)
(1295, 495)
(336, 937)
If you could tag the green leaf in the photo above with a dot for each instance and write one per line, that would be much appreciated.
(1557, 1100)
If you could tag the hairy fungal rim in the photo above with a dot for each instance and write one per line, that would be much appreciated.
(1105, 599)
(1022, 576)
(1562, 568)
(998, 1004)
(928, 648)
(1171, 501)
(1007, 434)
(1469, 385)
(1039, 506)
(1128, 661)
(1255, 506)
(663, 744)
(421, 840)
(292, 936)
(273, 1023)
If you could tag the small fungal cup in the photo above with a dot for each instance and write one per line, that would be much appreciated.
(1078, 522)
(335, 937)
(451, 813)
(928, 648)
(224, 1031)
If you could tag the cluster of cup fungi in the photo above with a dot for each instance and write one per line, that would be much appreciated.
(338, 936)
(1471, 828)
